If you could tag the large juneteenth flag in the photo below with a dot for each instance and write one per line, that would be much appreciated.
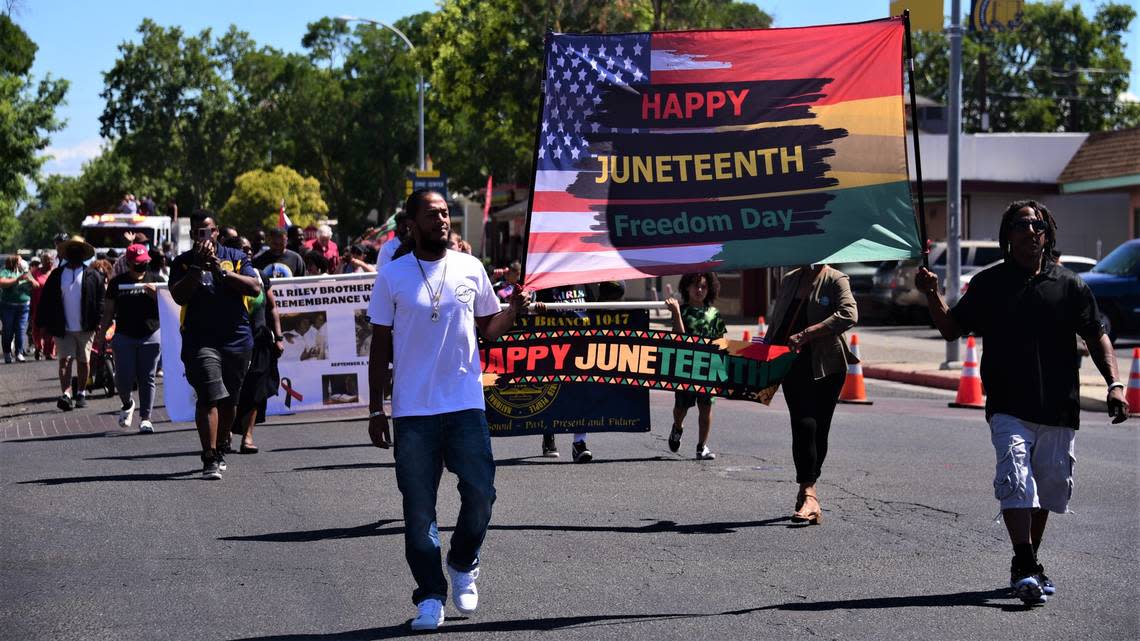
(666, 153)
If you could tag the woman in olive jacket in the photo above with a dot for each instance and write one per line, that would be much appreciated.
(813, 308)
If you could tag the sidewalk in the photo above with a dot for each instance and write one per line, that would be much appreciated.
(28, 392)
(889, 356)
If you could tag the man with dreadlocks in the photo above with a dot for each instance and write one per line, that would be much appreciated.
(1028, 308)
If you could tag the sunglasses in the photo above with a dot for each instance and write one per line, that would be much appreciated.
(1025, 224)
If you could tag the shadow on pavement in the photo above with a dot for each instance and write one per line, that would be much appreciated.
(317, 447)
(32, 401)
(143, 457)
(557, 623)
(69, 480)
(379, 529)
(979, 599)
(538, 459)
(343, 466)
(61, 437)
(518, 625)
(110, 433)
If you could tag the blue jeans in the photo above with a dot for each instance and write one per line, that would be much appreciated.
(136, 361)
(424, 444)
(14, 316)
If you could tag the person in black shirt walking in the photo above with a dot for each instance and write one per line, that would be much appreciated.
(211, 283)
(135, 313)
(1028, 309)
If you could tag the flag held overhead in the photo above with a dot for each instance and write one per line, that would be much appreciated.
(667, 153)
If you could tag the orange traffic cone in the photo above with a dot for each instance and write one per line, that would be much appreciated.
(970, 383)
(1133, 393)
(747, 337)
(854, 392)
(762, 327)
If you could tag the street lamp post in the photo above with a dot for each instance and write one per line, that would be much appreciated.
(411, 47)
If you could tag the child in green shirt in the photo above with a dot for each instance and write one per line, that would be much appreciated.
(695, 317)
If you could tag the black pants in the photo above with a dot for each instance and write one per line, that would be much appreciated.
(811, 404)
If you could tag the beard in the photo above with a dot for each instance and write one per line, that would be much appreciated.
(433, 245)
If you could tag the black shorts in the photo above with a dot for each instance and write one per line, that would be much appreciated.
(685, 400)
(215, 375)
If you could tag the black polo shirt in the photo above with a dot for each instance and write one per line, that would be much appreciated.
(1029, 364)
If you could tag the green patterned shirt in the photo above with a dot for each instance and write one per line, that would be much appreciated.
(702, 321)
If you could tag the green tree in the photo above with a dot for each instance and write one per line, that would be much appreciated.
(257, 196)
(1061, 71)
(53, 210)
(170, 109)
(27, 117)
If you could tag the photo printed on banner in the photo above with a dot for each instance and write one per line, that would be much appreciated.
(306, 336)
(363, 333)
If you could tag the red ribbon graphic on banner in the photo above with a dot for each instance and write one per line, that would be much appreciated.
(290, 393)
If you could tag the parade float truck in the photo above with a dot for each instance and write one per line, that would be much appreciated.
(106, 231)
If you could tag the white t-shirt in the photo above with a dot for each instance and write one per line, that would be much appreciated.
(436, 364)
(387, 250)
(71, 282)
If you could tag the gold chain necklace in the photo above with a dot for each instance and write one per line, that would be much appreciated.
(435, 295)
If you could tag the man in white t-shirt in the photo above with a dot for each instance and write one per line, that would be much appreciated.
(425, 309)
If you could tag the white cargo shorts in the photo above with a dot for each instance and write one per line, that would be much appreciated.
(1034, 464)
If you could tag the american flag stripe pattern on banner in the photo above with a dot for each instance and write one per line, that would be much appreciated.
(666, 153)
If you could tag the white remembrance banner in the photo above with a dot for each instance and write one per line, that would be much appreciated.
(327, 339)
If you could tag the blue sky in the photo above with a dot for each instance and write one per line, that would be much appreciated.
(78, 40)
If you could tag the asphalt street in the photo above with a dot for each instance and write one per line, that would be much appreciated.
(112, 535)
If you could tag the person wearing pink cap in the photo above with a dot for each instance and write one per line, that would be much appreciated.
(132, 304)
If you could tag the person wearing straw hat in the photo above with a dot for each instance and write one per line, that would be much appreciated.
(813, 307)
(1027, 308)
(70, 308)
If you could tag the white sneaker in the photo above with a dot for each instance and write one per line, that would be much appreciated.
(126, 414)
(464, 594)
(145, 426)
(429, 614)
(705, 454)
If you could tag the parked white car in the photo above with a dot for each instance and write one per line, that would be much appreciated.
(1076, 264)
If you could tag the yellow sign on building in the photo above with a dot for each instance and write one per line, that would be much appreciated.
(925, 15)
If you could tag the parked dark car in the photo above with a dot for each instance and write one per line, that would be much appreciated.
(873, 304)
(895, 283)
(1115, 281)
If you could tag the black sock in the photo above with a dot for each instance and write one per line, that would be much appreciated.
(1024, 555)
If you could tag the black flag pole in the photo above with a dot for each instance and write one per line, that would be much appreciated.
(534, 165)
(917, 155)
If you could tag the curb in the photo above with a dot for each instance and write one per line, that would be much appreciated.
(949, 381)
(912, 377)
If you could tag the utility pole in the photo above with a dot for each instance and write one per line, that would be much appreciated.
(953, 176)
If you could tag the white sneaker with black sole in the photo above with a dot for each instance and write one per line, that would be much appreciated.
(705, 454)
(126, 414)
(429, 614)
(145, 426)
(464, 594)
